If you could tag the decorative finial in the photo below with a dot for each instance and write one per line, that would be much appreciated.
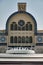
(21, 6)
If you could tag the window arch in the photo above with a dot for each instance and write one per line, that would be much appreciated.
(23, 28)
(28, 26)
(15, 39)
(19, 39)
(23, 39)
(27, 39)
(19, 28)
(11, 39)
(13, 26)
(30, 39)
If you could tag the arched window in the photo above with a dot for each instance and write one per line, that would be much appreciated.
(28, 26)
(27, 39)
(30, 39)
(19, 39)
(13, 26)
(15, 39)
(23, 39)
(19, 28)
(11, 39)
(23, 28)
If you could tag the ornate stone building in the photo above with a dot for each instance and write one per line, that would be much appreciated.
(21, 31)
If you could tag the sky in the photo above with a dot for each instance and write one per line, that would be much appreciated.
(34, 7)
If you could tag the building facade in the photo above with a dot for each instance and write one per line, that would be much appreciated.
(21, 31)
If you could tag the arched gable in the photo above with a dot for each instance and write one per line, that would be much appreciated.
(35, 24)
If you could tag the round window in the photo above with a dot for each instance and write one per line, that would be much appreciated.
(39, 39)
(2, 39)
(21, 22)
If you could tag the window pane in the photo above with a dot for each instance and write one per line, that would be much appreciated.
(27, 39)
(19, 28)
(30, 26)
(23, 28)
(11, 27)
(39, 44)
(19, 39)
(15, 26)
(26, 26)
(30, 39)
(11, 39)
(15, 39)
(23, 39)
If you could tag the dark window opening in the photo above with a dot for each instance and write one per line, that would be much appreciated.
(19, 39)
(15, 39)
(23, 28)
(13, 26)
(39, 44)
(3, 44)
(28, 26)
(30, 39)
(11, 39)
(19, 28)
(23, 39)
(27, 39)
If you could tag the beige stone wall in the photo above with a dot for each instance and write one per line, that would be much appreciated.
(16, 18)
(39, 49)
(3, 49)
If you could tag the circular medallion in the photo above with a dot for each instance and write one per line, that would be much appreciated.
(21, 22)
(39, 39)
(2, 39)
